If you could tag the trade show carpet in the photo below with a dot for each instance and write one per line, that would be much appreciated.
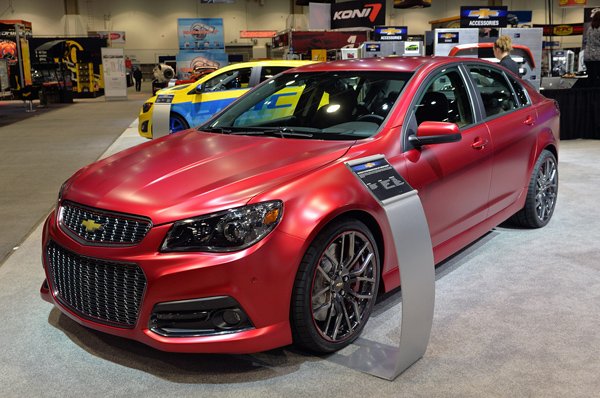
(516, 315)
(42, 149)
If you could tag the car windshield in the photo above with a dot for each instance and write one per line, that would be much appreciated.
(321, 105)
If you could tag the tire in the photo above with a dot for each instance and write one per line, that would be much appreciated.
(541, 193)
(177, 123)
(332, 300)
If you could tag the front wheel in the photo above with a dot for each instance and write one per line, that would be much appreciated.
(335, 287)
(177, 123)
(541, 194)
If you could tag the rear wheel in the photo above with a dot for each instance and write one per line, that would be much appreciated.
(177, 123)
(541, 194)
(335, 287)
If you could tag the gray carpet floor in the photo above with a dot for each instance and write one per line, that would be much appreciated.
(42, 149)
(517, 315)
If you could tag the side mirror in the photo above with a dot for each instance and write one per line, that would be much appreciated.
(435, 133)
(199, 89)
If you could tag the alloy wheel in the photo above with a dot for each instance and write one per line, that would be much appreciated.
(344, 285)
(546, 189)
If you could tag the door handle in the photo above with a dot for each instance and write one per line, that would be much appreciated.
(529, 120)
(479, 143)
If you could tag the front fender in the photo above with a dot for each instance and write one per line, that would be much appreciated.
(315, 200)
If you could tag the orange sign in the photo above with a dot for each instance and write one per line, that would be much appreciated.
(563, 30)
(571, 3)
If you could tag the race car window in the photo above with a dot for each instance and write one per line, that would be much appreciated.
(230, 80)
(267, 72)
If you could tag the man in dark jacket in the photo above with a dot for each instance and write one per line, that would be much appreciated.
(137, 76)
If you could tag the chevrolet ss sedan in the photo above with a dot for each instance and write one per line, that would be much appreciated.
(251, 232)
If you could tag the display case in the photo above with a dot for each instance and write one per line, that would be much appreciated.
(85, 84)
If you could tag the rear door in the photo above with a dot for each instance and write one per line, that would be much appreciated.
(512, 123)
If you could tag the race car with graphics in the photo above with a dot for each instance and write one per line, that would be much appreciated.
(193, 104)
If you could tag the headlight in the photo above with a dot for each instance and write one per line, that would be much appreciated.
(225, 231)
(146, 107)
(60, 194)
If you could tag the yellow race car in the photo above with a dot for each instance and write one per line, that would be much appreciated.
(192, 104)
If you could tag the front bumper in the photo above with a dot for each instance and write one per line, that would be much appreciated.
(260, 279)
(145, 123)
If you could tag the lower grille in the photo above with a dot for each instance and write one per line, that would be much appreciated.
(105, 291)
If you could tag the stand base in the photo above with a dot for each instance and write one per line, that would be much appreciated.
(377, 359)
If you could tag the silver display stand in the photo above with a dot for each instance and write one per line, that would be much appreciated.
(415, 262)
(161, 115)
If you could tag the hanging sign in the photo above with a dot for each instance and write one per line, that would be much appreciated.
(483, 17)
(352, 14)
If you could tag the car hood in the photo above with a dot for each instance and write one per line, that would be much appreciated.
(174, 89)
(192, 173)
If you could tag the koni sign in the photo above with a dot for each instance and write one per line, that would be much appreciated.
(353, 14)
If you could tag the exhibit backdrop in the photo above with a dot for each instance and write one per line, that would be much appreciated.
(200, 34)
(187, 61)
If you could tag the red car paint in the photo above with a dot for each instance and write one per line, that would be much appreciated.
(466, 188)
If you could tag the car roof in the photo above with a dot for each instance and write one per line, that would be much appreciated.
(392, 64)
(250, 64)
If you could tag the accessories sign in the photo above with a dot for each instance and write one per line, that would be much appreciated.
(483, 17)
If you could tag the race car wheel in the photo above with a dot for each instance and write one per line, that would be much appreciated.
(335, 288)
(177, 123)
(541, 194)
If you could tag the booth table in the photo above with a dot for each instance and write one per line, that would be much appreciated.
(579, 112)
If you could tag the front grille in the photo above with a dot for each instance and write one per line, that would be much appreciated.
(102, 227)
(105, 291)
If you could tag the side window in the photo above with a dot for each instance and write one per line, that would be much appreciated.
(267, 72)
(230, 80)
(520, 91)
(445, 100)
(496, 94)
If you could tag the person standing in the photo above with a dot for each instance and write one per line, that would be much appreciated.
(502, 49)
(591, 55)
(137, 76)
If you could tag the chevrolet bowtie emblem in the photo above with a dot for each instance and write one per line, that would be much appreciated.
(484, 13)
(91, 225)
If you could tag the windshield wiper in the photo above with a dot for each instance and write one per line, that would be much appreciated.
(277, 131)
(221, 130)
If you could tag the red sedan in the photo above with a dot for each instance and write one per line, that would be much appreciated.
(251, 232)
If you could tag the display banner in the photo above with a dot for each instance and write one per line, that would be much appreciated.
(188, 61)
(572, 3)
(303, 42)
(390, 33)
(574, 29)
(483, 17)
(448, 37)
(353, 14)
(113, 66)
(200, 34)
